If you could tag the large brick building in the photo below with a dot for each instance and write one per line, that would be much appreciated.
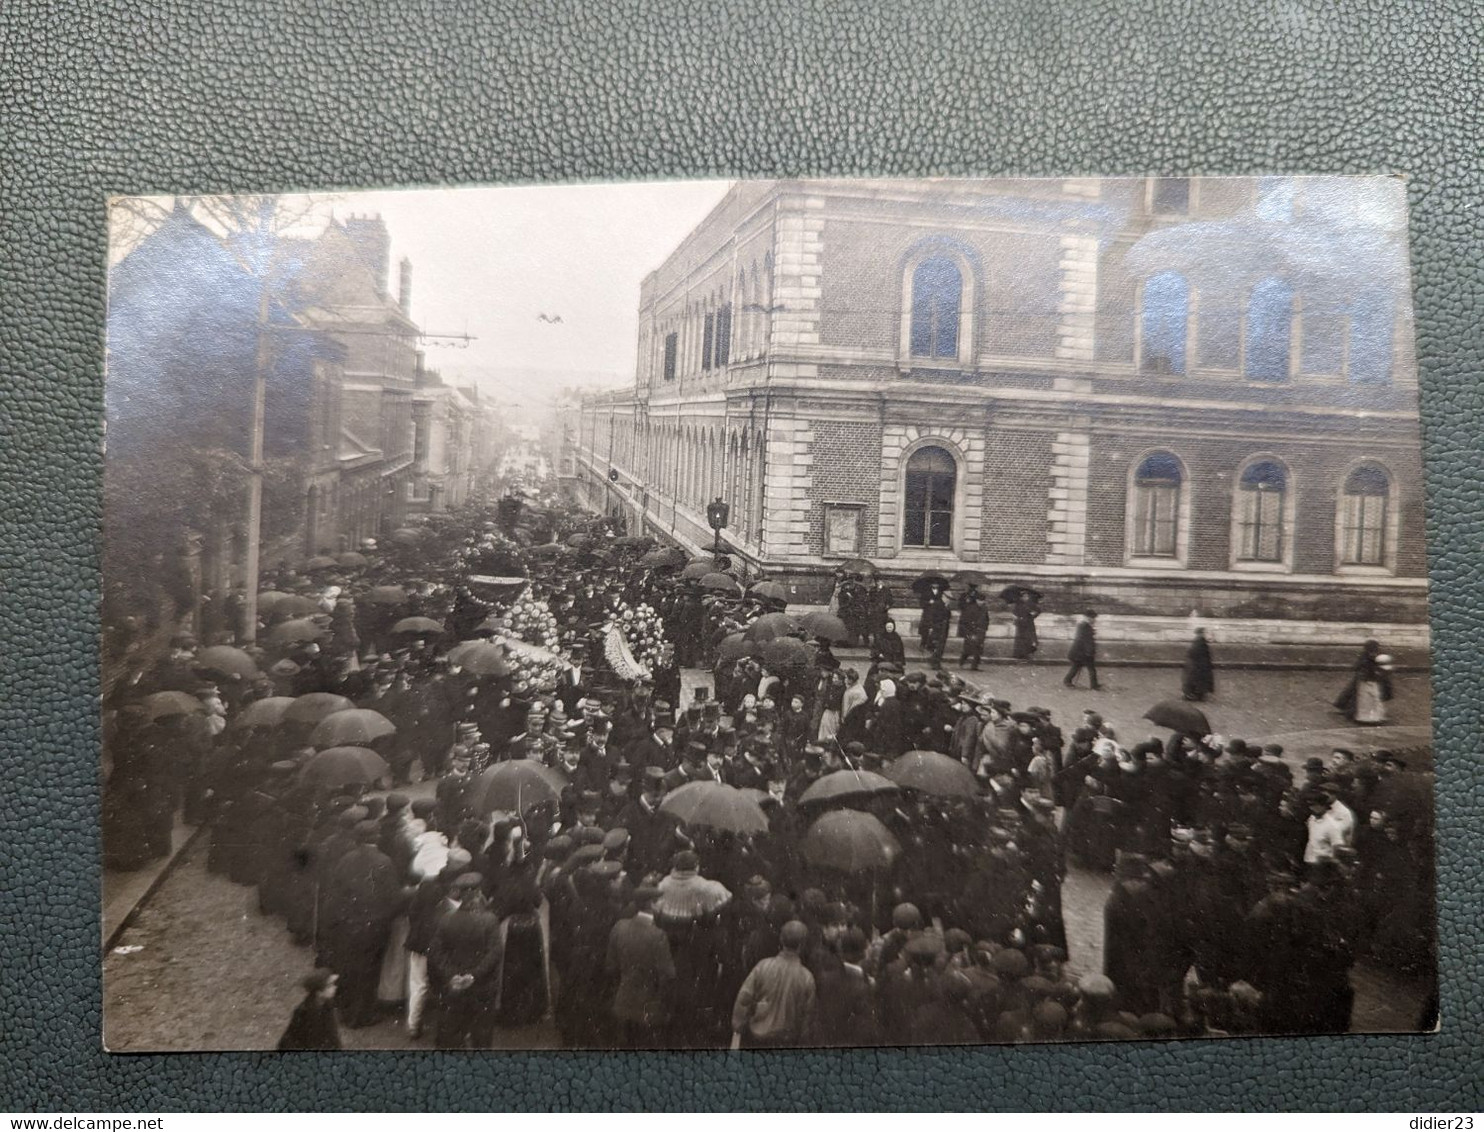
(1159, 396)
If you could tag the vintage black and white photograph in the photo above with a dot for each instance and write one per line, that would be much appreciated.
(743, 615)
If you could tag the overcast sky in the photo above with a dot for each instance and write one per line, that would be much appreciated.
(490, 260)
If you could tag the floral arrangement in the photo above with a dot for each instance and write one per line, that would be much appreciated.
(644, 633)
(529, 619)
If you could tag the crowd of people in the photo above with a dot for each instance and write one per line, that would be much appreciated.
(880, 859)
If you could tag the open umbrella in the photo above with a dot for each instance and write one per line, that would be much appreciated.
(933, 773)
(266, 712)
(386, 595)
(769, 626)
(826, 625)
(929, 581)
(1014, 593)
(579, 541)
(781, 652)
(482, 658)
(665, 556)
(406, 536)
(858, 566)
(224, 660)
(715, 806)
(312, 707)
(353, 559)
(695, 571)
(1180, 716)
(418, 626)
(268, 600)
(851, 842)
(320, 562)
(842, 785)
(297, 632)
(721, 583)
(343, 766)
(734, 646)
(549, 550)
(514, 787)
(289, 606)
(163, 705)
(970, 578)
(769, 591)
(356, 726)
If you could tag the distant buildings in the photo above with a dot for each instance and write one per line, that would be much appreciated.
(1156, 396)
(358, 434)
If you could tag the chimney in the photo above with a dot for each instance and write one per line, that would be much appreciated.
(404, 286)
(373, 246)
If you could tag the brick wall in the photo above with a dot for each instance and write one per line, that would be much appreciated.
(1017, 483)
(1317, 474)
(847, 469)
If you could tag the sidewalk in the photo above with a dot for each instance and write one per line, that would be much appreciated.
(123, 892)
(1164, 654)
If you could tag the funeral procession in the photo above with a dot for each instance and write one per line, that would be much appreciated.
(765, 614)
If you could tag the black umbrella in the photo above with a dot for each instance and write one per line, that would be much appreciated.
(858, 566)
(1012, 594)
(929, 581)
(1179, 716)
(970, 578)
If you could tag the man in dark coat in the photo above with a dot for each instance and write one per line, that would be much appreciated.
(639, 960)
(846, 1011)
(363, 897)
(463, 966)
(1199, 678)
(973, 624)
(935, 619)
(430, 904)
(1084, 651)
(655, 748)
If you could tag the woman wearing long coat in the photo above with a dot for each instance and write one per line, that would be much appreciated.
(1025, 613)
(1199, 678)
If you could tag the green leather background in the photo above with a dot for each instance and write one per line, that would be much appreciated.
(102, 96)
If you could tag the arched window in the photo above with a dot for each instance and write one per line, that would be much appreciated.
(1269, 330)
(937, 291)
(1164, 322)
(1363, 517)
(1157, 484)
(1262, 505)
(927, 506)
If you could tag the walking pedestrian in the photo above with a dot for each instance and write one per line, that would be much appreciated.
(1084, 651)
(1199, 677)
(973, 624)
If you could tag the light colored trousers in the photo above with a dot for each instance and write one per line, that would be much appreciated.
(417, 988)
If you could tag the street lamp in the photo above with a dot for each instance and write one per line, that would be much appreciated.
(717, 513)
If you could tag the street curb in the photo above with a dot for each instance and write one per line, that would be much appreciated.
(127, 920)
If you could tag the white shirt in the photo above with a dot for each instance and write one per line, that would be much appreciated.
(1329, 831)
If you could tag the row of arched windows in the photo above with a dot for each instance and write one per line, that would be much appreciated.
(1269, 339)
(1263, 513)
(725, 326)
